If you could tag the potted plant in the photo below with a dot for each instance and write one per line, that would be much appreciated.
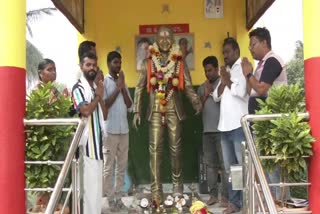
(287, 137)
(46, 142)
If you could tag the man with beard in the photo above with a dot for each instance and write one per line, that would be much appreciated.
(233, 98)
(88, 101)
(115, 148)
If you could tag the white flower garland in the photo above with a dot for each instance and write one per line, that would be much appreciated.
(162, 73)
(167, 69)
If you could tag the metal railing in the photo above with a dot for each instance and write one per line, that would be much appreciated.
(254, 178)
(58, 188)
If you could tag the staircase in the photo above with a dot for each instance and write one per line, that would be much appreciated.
(257, 197)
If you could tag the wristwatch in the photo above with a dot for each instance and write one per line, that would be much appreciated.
(249, 75)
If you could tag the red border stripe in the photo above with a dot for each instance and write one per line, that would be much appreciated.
(312, 79)
(12, 139)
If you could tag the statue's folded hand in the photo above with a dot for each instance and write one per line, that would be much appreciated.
(197, 107)
(198, 111)
(136, 120)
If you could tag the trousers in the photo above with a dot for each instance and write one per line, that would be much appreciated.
(211, 146)
(156, 144)
(115, 153)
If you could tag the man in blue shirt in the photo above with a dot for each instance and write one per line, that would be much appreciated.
(115, 148)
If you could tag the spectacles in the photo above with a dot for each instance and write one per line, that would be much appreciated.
(252, 45)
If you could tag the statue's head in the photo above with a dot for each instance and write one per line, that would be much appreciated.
(164, 38)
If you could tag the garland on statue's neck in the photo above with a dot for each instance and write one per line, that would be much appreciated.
(162, 74)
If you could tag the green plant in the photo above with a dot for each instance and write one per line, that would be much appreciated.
(46, 142)
(287, 137)
(295, 67)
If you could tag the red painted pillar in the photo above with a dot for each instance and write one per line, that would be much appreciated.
(12, 105)
(311, 31)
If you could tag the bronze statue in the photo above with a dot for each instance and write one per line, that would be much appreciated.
(165, 76)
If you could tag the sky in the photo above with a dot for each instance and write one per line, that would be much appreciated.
(284, 21)
(56, 38)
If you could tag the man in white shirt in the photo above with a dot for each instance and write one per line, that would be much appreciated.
(233, 98)
(115, 148)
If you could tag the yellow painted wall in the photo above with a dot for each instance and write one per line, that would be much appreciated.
(113, 23)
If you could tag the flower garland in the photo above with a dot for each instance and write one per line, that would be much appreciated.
(198, 207)
(163, 74)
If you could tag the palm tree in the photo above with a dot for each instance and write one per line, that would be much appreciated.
(35, 15)
(34, 56)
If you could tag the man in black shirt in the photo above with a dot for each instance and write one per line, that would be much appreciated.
(270, 69)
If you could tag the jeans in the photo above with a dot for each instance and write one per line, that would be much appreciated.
(232, 154)
(212, 153)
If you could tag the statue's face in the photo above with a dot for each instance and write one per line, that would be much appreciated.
(164, 40)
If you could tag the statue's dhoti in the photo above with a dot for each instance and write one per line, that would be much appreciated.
(156, 141)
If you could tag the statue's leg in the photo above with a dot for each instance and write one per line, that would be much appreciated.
(156, 153)
(175, 144)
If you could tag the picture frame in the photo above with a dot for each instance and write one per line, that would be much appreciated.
(186, 41)
(213, 9)
(142, 43)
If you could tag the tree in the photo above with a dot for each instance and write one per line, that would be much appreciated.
(35, 15)
(295, 67)
(34, 56)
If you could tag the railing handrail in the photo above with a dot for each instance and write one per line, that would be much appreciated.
(48, 162)
(254, 154)
(71, 152)
(263, 117)
(52, 122)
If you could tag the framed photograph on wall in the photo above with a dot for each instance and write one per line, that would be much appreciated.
(213, 9)
(142, 43)
(186, 43)
(184, 40)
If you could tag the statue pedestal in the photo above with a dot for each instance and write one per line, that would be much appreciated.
(140, 192)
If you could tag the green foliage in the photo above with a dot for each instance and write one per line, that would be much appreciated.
(295, 67)
(46, 142)
(34, 56)
(35, 15)
(299, 191)
(283, 99)
(287, 136)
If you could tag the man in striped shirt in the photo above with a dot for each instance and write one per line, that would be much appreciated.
(88, 101)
